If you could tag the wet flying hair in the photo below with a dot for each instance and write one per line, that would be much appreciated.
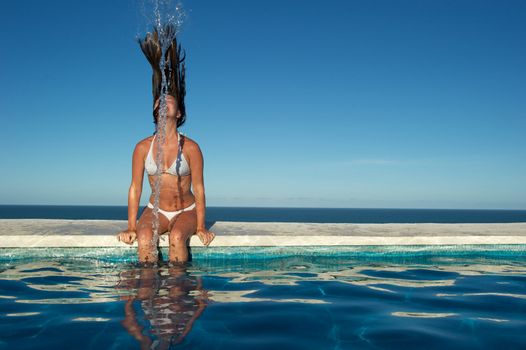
(174, 69)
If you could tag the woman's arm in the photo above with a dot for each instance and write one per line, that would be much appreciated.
(134, 194)
(197, 165)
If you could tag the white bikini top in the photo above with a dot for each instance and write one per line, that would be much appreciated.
(179, 167)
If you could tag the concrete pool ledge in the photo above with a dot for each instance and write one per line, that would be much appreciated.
(18, 233)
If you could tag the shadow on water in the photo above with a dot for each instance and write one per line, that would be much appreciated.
(169, 298)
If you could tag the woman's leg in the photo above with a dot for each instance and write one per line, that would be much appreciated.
(147, 248)
(183, 228)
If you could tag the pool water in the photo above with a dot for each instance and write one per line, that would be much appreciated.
(265, 298)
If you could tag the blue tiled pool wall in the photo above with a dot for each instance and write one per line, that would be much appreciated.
(245, 255)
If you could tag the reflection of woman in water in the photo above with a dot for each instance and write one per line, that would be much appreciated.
(170, 303)
(181, 213)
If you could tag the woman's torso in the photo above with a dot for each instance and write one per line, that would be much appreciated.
(175, 193)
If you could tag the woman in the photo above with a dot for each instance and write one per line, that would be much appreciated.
(181, 212)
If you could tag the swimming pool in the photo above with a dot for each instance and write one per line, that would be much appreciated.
(365, 297)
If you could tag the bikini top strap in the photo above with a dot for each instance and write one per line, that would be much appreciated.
(151, 144)
(178, 143)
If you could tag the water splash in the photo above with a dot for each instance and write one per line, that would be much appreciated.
(166, 18)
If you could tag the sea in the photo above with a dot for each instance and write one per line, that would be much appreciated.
(276, 214)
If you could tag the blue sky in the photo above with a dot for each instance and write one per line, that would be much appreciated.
(379, 104)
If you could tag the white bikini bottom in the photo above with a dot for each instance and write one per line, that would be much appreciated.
(170, 214)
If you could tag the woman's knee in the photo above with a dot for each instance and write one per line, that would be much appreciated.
(144, 235)
(177, 236)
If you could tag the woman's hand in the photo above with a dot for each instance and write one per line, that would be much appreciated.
(127, 236)
(205, 236)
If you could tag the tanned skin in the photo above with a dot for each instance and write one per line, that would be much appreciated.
(175, 194)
